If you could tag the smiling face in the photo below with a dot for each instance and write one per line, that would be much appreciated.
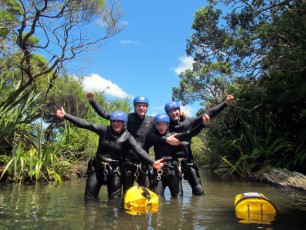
(117, 126)
(174, 114)
(141, 109)
(161, 127)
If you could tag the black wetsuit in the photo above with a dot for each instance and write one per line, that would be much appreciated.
(171, 174)
(105, 169)
(133, 168)
(189, 169)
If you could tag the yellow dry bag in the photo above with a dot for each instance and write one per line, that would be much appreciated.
(139, 200)
(254, 207)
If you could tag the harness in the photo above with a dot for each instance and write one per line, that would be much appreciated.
(172, 168)
(130, 167)
(110, 168)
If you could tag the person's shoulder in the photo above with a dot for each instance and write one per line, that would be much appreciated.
(126, 132)
(149, 118)
(153, 133)
(125, 135)
(131, 116)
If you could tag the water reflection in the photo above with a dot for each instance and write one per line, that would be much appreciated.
(62, 207)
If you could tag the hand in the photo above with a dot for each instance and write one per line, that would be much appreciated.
(60, 113)
(205, 119)
(229, 98)
(90, 96)
(171, 140)
(183, 115)
(158, 164)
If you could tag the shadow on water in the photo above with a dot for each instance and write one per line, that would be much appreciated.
(62, 207)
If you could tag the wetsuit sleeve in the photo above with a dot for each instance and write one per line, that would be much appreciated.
(81, 123)
(211, 113)
(215, 110)
(184, 136)
(100, 110)
(148, 143)
(139, 150)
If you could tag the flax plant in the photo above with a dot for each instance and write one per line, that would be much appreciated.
(31, 159)
(254, 153)
(36, 164)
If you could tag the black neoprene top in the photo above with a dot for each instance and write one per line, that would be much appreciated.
(183, 125)
(163, 149)
(112, 146)
(138, 127)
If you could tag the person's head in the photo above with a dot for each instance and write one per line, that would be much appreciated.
(141, 105)
(118, 121)
(162, 121)
(173, 110)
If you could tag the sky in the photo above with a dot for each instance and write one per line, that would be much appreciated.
(146, 57)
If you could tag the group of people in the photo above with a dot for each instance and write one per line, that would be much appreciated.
(122, 156)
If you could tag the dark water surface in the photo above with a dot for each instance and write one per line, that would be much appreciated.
(62, 207)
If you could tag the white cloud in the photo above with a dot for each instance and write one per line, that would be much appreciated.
(124, 23)
(130, 42)
(185, 63)
(94, 82)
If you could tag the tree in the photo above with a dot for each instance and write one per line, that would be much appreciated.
(255, 50)
(38, 37)
(252, 39)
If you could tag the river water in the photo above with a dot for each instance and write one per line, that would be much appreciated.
(62, 207)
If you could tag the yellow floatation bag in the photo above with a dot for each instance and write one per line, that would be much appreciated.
(139, 200)
(254, 207)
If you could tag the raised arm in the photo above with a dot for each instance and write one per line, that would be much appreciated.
(98, 108)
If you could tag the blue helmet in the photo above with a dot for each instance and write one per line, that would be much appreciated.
(141, 99)
(118, 116)
(171, 105)
(162, 117)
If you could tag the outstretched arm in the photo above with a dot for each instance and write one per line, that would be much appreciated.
(79, 122)
(184, 136)
(173, 140)
(217, 109)
(144, 155)
(213, 111)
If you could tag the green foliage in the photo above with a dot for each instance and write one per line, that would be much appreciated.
(67, 92)
(206, 83)
(199, 151)
(17, 119)
(8, 15)
(46, 149)
(257, 53)
(34, 164)
(34, 45)
(41, 39)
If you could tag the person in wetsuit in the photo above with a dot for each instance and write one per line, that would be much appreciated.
(139, 124)
(170, 175)
(114, 140)
(177, 125)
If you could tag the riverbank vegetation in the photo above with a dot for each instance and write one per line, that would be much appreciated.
(255, 51)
